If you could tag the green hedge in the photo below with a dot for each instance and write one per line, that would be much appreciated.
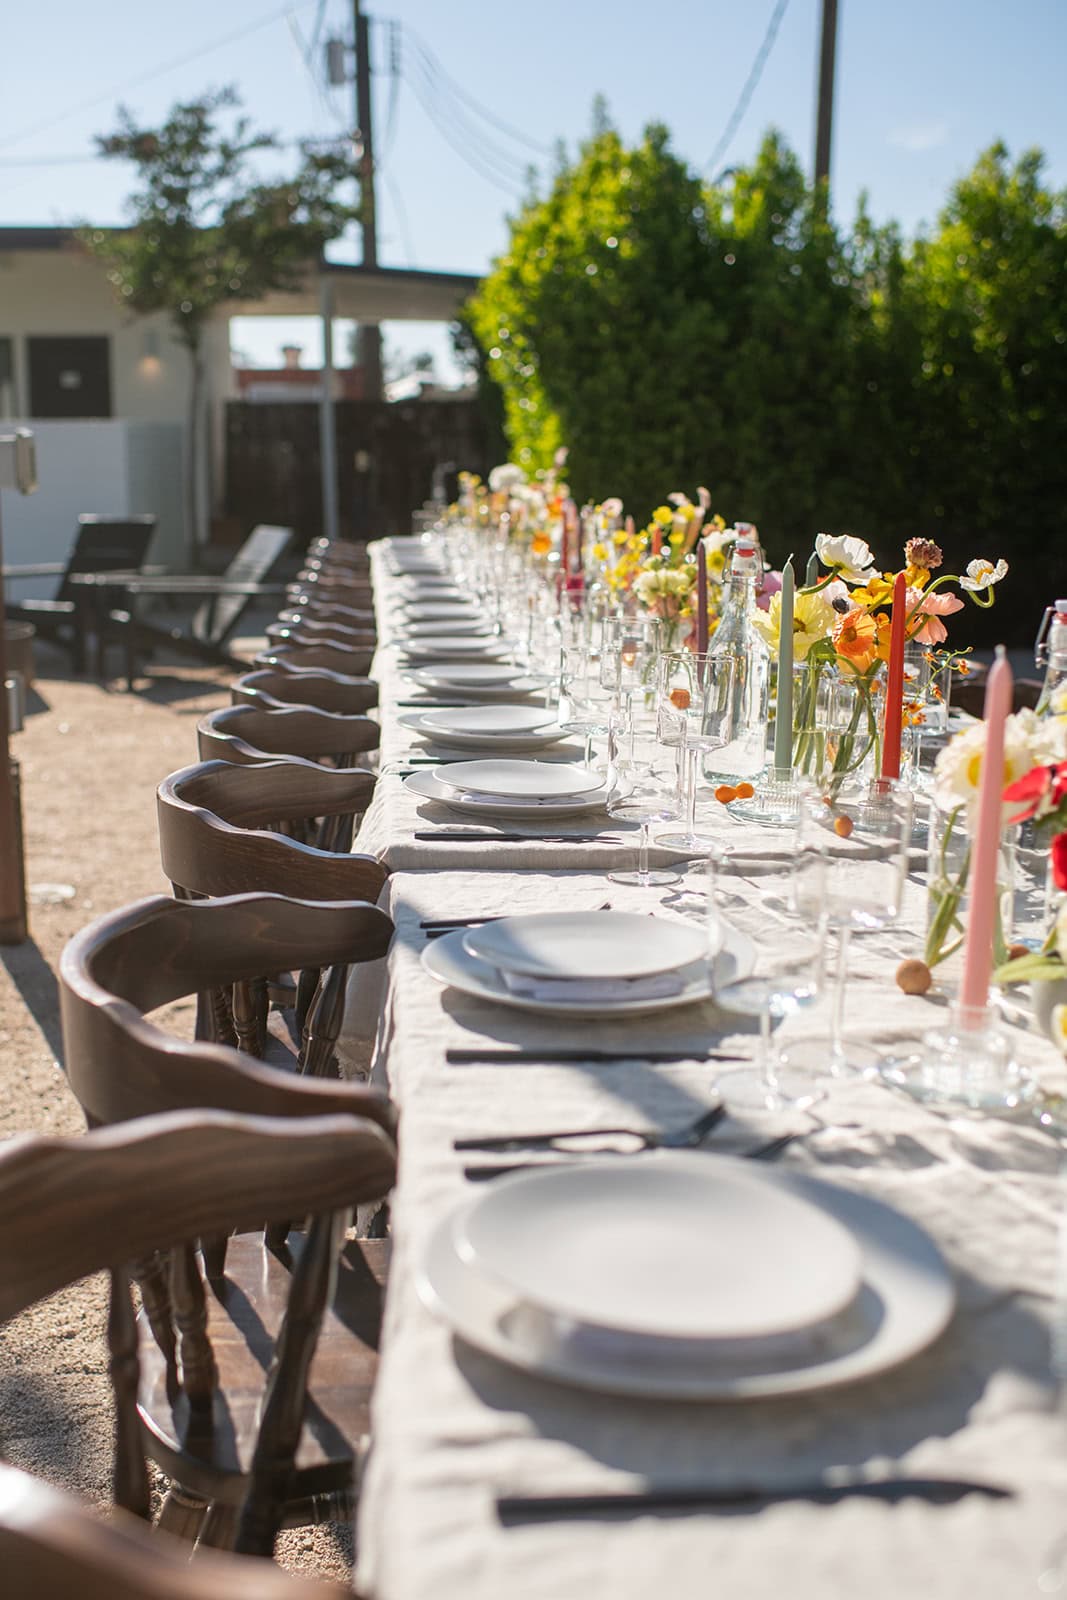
(814, 378)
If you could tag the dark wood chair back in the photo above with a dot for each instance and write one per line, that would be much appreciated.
(329, 691)
(120, 1064)
(322, 612)
(214, 840)
(107, 544)
(249, 733)
(352, 663)
(51, 1547)
(126, 1194)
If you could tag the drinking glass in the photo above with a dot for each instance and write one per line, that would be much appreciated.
(788, 974)
(584, 707)
(861, 837)
(643, 789)
(696, 710)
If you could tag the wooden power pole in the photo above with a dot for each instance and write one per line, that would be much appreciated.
(369, 337)
(824, 115)
(17, 471)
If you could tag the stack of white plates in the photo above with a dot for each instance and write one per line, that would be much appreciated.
(505, 787)
(447, 609)
(683, 1275)
(490, 727)
(479, 680)
(587, 963)
(466, 646)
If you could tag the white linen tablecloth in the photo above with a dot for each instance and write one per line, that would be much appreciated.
(454, 1428)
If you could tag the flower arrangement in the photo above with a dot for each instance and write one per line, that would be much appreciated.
(842, 620)
(1040, 796)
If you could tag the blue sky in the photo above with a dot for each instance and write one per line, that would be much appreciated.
(922, 86)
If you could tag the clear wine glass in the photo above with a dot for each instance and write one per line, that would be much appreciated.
(788, 974)
(696, 708)
(643, 790)
(584, 707)
(861, 836)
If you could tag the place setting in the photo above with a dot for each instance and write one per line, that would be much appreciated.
(680, 1275)
(523, 790)
(478, 680)
(507, 728)
(596, 964)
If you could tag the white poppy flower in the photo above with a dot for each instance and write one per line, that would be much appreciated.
(506, 476)
(958, 768)
(849, 557)
(612, 506)
(982, 574)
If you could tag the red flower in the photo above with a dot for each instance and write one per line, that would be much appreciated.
(1028, 792)
(1059, 861)
(1059, 784)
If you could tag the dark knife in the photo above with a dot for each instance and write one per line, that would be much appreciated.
(515, 1509)
(502, 1058)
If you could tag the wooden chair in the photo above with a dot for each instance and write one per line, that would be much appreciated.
(352, 663)
(329, 691)
(144, 1193)
(249, 733)
(325, 611)
(51, 1547)
(307, 630)
(214, 840)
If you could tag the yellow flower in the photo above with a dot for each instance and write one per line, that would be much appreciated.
(600, 552)
(813, 619)
(916, 577)
(875, 592)
(664, 515)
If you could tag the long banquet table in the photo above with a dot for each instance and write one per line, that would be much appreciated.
(454, 1428)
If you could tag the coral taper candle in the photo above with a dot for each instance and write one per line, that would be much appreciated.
(657, 540)
(985, 851)
(783, 716)
(702, 599)
(894, 689)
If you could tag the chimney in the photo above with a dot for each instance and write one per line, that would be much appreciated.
(291, 354)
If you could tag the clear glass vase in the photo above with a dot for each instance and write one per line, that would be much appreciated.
(948, 871)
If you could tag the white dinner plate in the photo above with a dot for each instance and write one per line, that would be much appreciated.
(480, 680)
(426, 786)
(450, 962)
(507, 778)
(905, 1301)
(512, 743)
(442, 628)
(439, 610)
(414, 591)
(445, 647)
(495, 719)
(588, 944)
(678, 1248)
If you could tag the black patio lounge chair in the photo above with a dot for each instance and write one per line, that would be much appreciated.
(224, 600)
(102, 544)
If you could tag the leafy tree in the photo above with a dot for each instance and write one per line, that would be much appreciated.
(206, 229)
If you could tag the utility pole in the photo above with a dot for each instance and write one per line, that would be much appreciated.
(824, 115)
(17, 471)
(369, 339)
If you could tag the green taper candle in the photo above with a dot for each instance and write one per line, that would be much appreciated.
(783, 717)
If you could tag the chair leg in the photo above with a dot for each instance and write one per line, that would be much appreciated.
(182, 1514)
(219, 1527)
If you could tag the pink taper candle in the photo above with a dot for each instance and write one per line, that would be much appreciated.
(894, 689)
(702, 599)
(985, 852)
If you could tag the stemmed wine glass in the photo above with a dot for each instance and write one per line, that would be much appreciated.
(584, 707)
(643, 789)
(788, 974)
(861, 834)
(695, 708)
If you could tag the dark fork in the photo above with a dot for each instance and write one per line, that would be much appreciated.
(675, 1139)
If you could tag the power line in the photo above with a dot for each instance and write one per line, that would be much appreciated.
(749, 89)
(401, 215)
(458, 90)
(500, 166)
(155, 72)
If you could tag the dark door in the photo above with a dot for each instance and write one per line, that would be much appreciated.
(70, 376)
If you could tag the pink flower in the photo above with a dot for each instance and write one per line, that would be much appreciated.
(772, 583)
(933, 607)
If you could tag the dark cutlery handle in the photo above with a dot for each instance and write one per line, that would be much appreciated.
(513, 1509)
(501, 1058)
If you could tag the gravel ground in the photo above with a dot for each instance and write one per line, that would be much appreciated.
(91, 758)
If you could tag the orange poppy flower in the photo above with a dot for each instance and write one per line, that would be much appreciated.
(861, 638)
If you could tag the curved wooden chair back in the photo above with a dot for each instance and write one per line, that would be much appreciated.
(352, 663)
(125, 1194)
(304, 625)
(213, 822)
(52, 1547)
(323, 612)
(332, 589)
(249, 733)
(329, 691)
(129, 963)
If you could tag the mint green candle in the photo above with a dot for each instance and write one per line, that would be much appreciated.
(783, 717)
